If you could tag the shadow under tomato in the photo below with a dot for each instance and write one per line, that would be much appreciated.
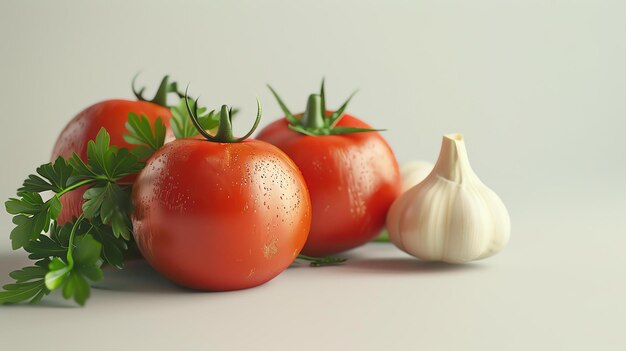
(136, 277)
(406, 265)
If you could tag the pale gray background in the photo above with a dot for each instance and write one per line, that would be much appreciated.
(537, 87)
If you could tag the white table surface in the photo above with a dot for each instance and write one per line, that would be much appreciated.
(549, 290)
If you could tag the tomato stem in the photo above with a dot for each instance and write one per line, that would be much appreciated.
(225, 126)
(224, 132)
(314, 121)
(160, 98)
(313, 118)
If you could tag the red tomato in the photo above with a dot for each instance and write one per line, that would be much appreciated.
(220, 216)
(112, 115)
(352, 180)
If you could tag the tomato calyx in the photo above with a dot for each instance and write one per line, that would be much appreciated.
(224, 133)
(314, 121)
(160, 98)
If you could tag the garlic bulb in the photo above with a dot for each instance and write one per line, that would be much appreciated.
(413, 172)
(451, 216)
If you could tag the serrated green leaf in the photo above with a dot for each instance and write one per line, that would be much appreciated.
(55, 177)
(55, 207)
(56, 264)
(28, 203)
(112, 247)
(93, 273)
(28, 273)
(100, 154)
(87, 251)
(57, 275)
(105, 162)
(61, 234)
(39, 296)
(28, 227)
(112, 204)
(140, 132)
(68, 290)
(121, 225)
(142, 152)
(78, 287)
(35, 183)
(100, 146)
(56, 244)
(181, 124)
(23, 232)
(19, 292)
(125, 163)
(94, 198)
(80, 167)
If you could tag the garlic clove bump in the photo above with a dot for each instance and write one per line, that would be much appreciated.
(413, 172)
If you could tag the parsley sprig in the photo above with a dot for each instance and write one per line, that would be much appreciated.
(69, 256)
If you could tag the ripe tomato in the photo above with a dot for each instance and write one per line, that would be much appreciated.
(112, 115)
(220, 215)
(351, 173)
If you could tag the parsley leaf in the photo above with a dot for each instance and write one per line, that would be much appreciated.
(82, 263)
(32, 217)
(112, 204)
(87, 257)
(55, 176)
(105, 162)
(140, 132)
(181, 121)
(48, 246)
(29, 284)
(58, 271)
(112, 246)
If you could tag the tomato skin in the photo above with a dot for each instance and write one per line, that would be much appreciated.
(352, 180)
(220, 216)
(112, 115)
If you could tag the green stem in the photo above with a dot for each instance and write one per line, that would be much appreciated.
(74, 186)
(322, 261)
(313, 117)
(160, 98)
(224, 132)
(225, 128)
(70, 248)
(383, 237)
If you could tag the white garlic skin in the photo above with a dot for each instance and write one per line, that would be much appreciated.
(451, 215)
(413, 172)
